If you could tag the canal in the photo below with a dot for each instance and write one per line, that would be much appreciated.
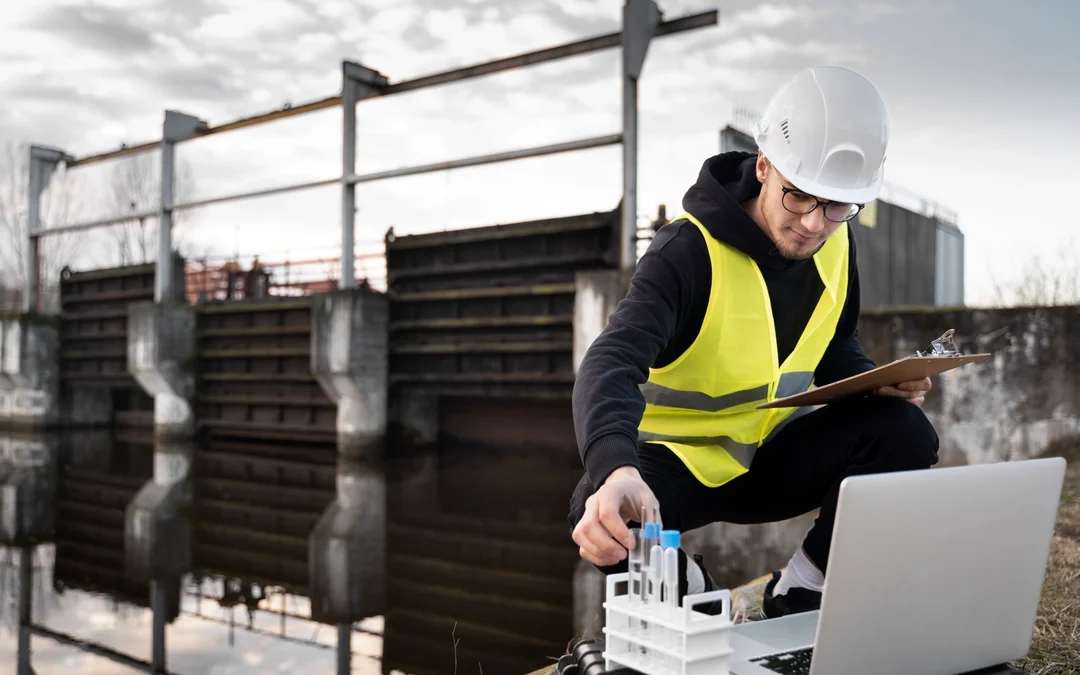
(468, 542)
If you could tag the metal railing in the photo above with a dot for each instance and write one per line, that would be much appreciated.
(641, 21)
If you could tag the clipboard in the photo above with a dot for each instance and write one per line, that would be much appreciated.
(902, 370)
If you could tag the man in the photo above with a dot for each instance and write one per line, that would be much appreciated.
(751, 296)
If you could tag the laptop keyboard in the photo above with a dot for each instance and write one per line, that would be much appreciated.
(796, 662)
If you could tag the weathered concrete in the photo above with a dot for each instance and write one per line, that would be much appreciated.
(590, 587)
(418, 419)
(595, 298)
(1011, 406)
(161, 351)
(349, 357)
(30, 368)
(347, 548)
(157, 524)
(27, 490)
(413, 483)
(87, 407)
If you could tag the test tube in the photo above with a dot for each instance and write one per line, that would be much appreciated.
(655, 575)
(634, 565)
(669, 541)
(650, 536)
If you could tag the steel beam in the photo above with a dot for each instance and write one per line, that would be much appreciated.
(357, 82)
(257, 193)
(95, 649)
(598, 142)
(344, 649)
(599, 43)
(640, 19)
(43, 162)
(176, 127)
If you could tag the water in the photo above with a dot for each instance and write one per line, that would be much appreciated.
(479, 566)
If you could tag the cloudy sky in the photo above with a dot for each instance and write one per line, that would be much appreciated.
(983, 98)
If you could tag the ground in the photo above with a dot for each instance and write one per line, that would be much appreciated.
(1055, 649)
(1055, 646)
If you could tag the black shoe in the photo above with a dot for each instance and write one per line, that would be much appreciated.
(796, 600)
(710, 608)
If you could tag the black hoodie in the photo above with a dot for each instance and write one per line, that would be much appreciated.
(662, 313)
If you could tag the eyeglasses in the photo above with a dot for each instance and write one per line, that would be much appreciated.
(800, 203)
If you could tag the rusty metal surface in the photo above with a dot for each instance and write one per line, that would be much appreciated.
(488, 311)
(255, 505)
(94, 336)
(254, 373)
(94, 489)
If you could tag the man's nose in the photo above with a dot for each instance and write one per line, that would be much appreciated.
(815, 220)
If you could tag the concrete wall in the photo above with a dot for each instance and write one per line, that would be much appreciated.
(1011, 406)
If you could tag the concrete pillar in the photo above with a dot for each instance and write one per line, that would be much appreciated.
(590, 586)
(27, 509)
(87, 407)
(414, 484)
(161, 353)
(6, 385)
(31, 371)
(418, 419)
(349, 358)
(347, 548)
(157, 526)
(595, 297)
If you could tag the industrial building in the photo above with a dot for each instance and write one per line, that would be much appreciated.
(910, 249)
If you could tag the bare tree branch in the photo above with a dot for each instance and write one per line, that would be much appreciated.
(135, 186)
(1041, 282)
(59, 203)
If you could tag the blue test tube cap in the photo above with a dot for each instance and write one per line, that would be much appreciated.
(651, 531)
(669, 539)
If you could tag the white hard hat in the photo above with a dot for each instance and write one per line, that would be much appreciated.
(826, 131)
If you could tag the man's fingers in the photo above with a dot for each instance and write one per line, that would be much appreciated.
(899, 393)
(597, 560)
(598, 542)
(922, 385)
(609, 513)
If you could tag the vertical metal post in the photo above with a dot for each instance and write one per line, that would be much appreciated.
(42, 163)
(177, 127)
(163, 274)
(26, 578)
(33, 218)
(344, 649)
(357, 82)
(157, 608)
(640, 18)
(628, 240)
(349, 91)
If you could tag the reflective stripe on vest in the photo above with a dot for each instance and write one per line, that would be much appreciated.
(702, 406)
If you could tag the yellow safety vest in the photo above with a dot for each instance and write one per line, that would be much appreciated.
(701, 406)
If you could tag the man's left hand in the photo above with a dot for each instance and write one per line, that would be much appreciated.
(914, 391)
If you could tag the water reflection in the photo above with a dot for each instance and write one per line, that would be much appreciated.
(240, 557)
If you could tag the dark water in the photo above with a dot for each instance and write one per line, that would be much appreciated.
(478, 572)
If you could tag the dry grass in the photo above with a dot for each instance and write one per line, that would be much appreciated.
(1055, 646)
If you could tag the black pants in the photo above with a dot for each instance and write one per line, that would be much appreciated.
(799, 470)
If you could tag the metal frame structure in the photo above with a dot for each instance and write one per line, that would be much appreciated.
(641, 21)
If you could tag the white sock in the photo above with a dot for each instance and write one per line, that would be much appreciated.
(695, 580)
(800, 573)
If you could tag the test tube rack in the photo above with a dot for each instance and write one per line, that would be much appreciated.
(659, 639)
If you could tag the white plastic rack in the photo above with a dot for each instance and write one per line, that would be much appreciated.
(659, 639)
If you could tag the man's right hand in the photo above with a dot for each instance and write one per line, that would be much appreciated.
(602, 535)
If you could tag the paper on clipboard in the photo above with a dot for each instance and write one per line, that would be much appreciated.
(901, 370)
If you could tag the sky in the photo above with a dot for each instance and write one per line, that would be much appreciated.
(982, 99)
(194, 644)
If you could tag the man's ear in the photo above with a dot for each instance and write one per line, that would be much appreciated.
(762, 167)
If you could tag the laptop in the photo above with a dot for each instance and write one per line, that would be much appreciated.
(933, 572)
